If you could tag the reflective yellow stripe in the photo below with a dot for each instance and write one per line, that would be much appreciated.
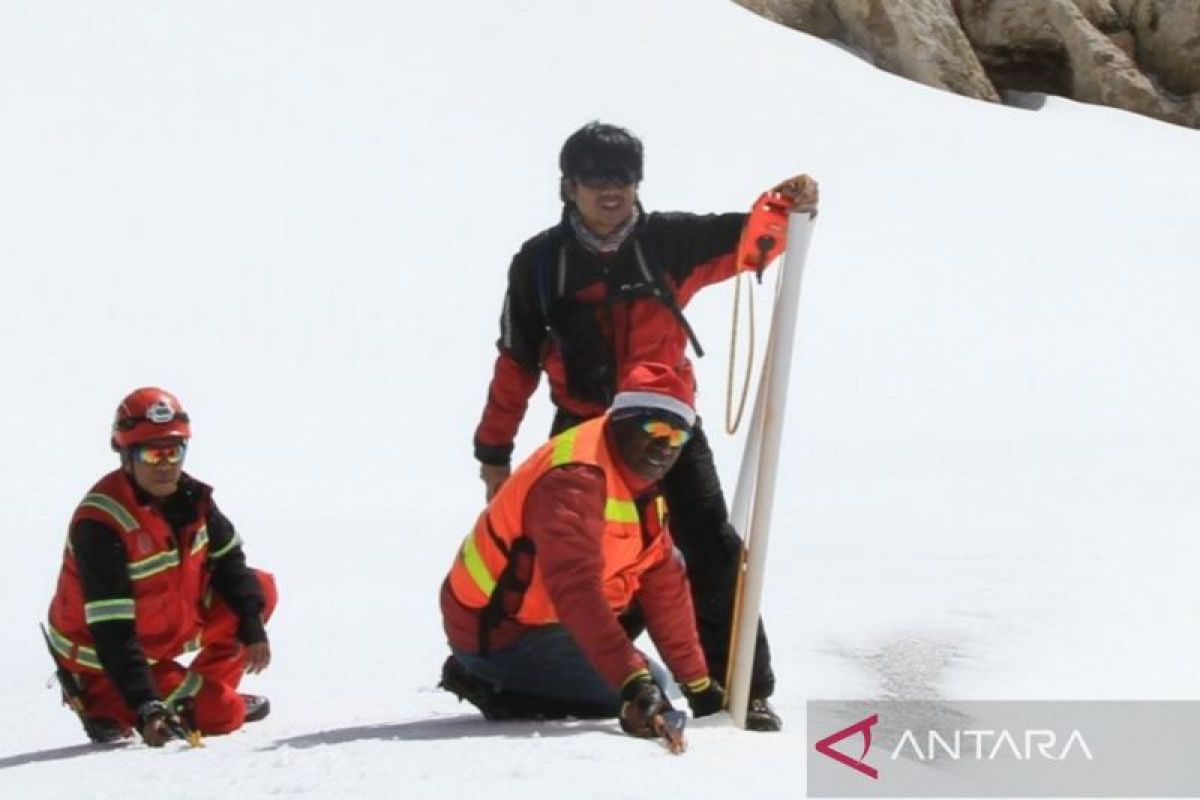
(85, 656)
(189, 688)
(633, 676)
(201, 540)
(191, 645)
(103, 502)
(478, 570)
(660, 504)
(108, 610)
(564, 447)
(233, 542)
(620, 510)
(699, 685)
(147, 567)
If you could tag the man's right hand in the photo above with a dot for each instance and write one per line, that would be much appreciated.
(642, 702)
(157, 724)
(494, 476)
(803, 191)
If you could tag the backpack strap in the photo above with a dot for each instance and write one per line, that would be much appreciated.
(510, 590)
(547, 291)
(663, 293)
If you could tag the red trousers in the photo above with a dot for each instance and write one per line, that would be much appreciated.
(216, 671)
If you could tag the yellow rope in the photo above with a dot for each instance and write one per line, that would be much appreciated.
(733, 421)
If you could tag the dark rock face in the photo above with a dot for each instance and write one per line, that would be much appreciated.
(1139, 55)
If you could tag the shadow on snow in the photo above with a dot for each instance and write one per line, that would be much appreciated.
(57, 754)
(460, 727)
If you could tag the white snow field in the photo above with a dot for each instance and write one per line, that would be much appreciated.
(299, 216)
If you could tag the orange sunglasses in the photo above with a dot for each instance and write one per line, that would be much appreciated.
(157, 454)
(658, 429)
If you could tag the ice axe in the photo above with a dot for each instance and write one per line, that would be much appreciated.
(669, 727)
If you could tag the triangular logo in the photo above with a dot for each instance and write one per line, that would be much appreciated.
(825, 746)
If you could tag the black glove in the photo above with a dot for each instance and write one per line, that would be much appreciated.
(157, 724)
(704, 697)
(642, 702)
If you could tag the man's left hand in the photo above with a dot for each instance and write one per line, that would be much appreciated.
(258, 657)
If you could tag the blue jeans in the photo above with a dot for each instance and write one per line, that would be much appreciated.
(546, 662)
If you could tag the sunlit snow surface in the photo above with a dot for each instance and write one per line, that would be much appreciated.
(299, 217)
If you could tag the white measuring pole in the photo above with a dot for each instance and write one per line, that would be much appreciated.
(755, 494)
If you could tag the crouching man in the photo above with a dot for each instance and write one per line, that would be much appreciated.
(575, 538)
(152, 569)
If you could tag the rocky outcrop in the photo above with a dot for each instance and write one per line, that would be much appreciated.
(1139, 55)
(1167, 40)
(919, 40)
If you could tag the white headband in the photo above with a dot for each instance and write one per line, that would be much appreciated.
(664, 402)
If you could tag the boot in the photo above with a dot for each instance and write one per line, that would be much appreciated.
(479, 693)
(257, 707)
(501, 704)
(761, 717)
(102, 730)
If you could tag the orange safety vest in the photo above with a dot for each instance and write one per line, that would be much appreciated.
(496, 571)
(169, 578)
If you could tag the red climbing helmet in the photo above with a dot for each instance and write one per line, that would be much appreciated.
(148, 413)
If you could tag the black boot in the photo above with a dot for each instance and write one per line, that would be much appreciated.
(257, 707)
(465, 686)
(501, 704)
(102, 730)
(761, 717)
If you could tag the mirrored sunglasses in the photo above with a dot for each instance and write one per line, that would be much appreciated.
(158, 454)
(658, 429)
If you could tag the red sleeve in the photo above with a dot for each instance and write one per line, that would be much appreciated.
(667, 603)
(712, 271)
(508, 397)
(736, 256)
(564, 516)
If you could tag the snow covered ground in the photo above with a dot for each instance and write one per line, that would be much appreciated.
(298, 216)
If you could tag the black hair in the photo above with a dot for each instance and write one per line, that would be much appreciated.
(599, 150)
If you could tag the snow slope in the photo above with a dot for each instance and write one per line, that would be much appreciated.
(298, 216)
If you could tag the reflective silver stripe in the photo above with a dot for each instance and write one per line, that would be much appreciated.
(108, 610)
(81, 654)
(189, 688)
(147, 567)
(102, 502)
(201, 540)
(506, 325)
(235, 541)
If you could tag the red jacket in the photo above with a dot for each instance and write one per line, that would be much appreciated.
(585, 318)
(584, 572)
(168, 578)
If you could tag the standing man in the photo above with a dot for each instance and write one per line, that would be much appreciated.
(153, 569)
(598, 293)
(577, 534)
